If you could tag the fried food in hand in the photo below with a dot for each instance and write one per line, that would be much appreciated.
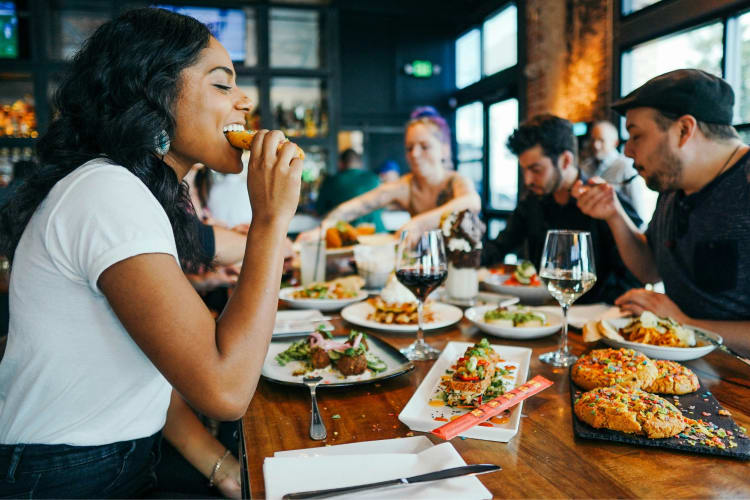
(244, 138)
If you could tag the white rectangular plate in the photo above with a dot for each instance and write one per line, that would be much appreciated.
(420, 415)
(285, 474)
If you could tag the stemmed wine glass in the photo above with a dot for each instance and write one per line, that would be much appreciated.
(568, 271)
(421, 267)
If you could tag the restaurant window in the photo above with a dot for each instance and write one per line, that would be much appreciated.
(630, 6)
(299, 106)
(470, 142)
(227, 25)
(738, 51)
(699, 47)
(468, 62)
(503, 182)
(295, 38)
(499, 37)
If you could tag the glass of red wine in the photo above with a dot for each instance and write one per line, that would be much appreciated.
(421, 267)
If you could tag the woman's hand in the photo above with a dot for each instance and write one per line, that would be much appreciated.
(228, 478)
(413, 230)
(273, 180)
(638, 300)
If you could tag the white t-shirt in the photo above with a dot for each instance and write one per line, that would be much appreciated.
(71, 373)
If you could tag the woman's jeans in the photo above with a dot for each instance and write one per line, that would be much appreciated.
(119, 470)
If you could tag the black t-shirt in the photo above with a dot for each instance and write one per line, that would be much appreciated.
(701, 244)
(527, 229)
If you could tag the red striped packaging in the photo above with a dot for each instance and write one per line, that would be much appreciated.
(492, 408)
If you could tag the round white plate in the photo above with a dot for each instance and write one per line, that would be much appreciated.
(444, 315)
(702, 348)
(320, 304)
(476, 316)
(527, 294)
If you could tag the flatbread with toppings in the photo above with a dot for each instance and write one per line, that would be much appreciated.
(605, 367)
(673, 378)
(632, 411)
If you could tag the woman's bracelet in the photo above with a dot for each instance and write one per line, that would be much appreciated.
(217, 466)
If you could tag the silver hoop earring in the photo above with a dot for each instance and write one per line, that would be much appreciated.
(161, 143)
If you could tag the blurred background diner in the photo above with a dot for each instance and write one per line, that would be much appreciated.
(337, 74)
(406, 110)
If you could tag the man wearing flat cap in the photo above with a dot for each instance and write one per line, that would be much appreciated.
(698, 242)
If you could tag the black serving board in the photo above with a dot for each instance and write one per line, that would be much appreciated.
(692, 405)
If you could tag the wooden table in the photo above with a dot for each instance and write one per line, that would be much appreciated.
(542, 460)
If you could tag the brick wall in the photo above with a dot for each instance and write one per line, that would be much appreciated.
(569, 58)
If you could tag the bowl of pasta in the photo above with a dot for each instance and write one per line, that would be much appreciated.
(658, 337)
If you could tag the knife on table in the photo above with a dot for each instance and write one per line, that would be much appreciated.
(465, 470)
(723, 347)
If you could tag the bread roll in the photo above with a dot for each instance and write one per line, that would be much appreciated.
(243, 139)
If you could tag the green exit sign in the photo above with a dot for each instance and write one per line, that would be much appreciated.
(421, 69)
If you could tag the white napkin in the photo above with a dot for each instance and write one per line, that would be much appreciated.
(580, 315)
(289, 474)
(294, 322)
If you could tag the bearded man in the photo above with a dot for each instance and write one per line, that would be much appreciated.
(547, 152)
(698, 242)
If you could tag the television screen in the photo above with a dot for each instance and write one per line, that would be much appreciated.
(9, 37)
(227, 25)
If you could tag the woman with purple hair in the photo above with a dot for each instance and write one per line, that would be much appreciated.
(429, 190)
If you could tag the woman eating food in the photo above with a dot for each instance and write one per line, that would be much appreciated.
(431, 188)
(103, 322)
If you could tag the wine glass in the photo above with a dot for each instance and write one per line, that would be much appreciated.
(421, 267)
(568, 271)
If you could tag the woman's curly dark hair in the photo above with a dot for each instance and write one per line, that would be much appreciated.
(118, 95)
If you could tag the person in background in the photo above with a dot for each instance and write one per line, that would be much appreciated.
(389, 171)
(547, 152)
(606, 162)
(101, 311)
(431, 189)
(227, 201)
(698, 242)
(350, 181)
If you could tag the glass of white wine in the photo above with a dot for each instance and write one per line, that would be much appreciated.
(568, 271)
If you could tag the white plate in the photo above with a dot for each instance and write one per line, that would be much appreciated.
(476, 316)
(481, 299)
(396, 364)
(294, 322)
(444, 315)
(419, 415)
(527, 294)
(662, 352)
(320, 304)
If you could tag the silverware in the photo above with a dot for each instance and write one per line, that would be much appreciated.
(317, 429)
(722, 347)
(465, 470)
